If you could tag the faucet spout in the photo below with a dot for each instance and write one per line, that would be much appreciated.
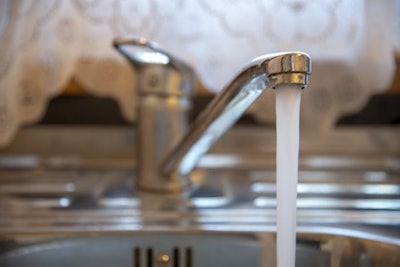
(269, 71)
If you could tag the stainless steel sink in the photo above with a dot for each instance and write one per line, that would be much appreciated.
(196, 249)
(64, 204)
(56, 198)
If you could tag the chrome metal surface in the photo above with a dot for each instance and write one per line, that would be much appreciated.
(229, 105)
(178, 77)
(164, 86)
(179, 159)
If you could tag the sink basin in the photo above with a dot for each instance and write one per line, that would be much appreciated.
(154, 249)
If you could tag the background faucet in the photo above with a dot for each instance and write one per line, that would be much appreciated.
(167, 151)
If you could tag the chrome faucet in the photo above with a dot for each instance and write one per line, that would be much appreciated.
(168, 153)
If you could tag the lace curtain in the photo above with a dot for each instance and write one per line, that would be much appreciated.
(44, 43)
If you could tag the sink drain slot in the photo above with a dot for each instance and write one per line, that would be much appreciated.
(150, 257)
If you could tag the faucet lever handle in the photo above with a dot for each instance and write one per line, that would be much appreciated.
(158, 71)
(150, 53)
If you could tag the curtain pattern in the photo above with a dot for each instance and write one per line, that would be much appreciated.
(45, 43)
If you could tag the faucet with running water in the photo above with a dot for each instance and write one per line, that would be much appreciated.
(168, 150)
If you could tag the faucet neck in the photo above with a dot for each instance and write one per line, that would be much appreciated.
(269, 71)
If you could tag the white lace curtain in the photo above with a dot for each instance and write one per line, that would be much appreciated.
(44, 43)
